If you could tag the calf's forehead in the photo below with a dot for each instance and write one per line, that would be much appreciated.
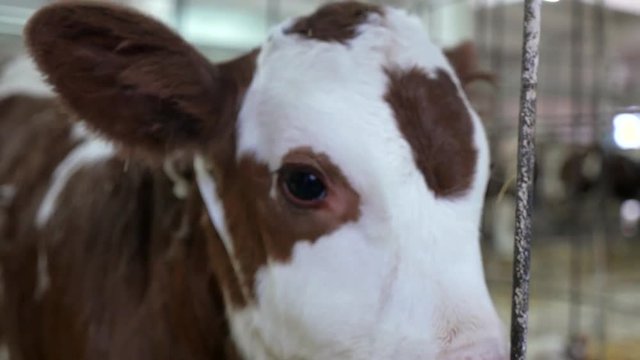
(333, 96)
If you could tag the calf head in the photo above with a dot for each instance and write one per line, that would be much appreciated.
(341, 166)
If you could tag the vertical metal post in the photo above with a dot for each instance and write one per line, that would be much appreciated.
(431, 19)
(180, 6)
(526, 160)
(497, 61)
(482, 32)
(273, 13)
(577, 128)
(600, 224)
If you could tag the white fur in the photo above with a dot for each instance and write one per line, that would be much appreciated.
(215, 210)
(407, 276)
(80, 132)
(180, 183)
(88, 152)
(20, 76)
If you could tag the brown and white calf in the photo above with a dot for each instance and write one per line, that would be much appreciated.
(317, 198)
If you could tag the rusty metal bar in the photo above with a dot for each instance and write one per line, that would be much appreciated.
(526, 160)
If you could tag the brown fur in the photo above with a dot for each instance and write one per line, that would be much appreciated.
(112, 63)
(130, 275)
(136, 273)
(436, 123)
(334, 22)
(127, 262)
(45, 130)
(37, 125)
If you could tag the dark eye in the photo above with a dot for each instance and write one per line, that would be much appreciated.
(302, 186)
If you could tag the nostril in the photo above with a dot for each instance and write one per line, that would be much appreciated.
(486, 350)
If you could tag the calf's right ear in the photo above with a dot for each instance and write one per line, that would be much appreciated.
(133, 79)
(464, 59)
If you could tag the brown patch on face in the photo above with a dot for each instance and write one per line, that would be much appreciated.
(288, 223)
(267, 227)
(437, 124)
(334, 22)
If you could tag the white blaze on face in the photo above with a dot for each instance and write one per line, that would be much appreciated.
(403, 281)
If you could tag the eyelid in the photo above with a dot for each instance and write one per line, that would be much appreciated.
(300, 166)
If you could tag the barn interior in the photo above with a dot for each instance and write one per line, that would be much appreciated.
(585, 280)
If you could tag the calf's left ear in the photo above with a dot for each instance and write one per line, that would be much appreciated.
(132, 78)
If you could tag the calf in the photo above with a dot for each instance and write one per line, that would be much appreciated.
(594, 174)
(316, 198)
(587, 168)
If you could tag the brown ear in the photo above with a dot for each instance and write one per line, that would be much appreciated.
(131, 77)
(464, 60)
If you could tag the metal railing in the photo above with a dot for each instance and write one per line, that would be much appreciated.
(526, 161)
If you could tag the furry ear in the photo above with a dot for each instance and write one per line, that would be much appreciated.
(464, 60)
(131, 77)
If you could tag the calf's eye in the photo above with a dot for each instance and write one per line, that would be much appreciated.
(302, 186)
